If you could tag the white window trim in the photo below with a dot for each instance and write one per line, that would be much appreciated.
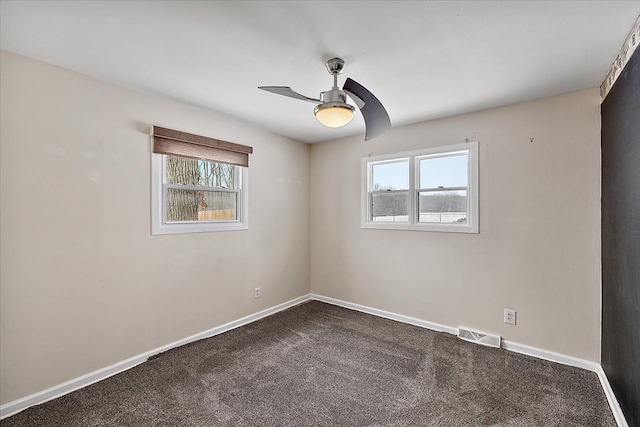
(158, 226)
(472, 225)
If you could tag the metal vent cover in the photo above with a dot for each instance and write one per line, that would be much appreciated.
(479, 337)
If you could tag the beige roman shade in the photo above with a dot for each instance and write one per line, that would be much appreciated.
(176, 143)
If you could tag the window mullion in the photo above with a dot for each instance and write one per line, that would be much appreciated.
(370, 191)
(201, 188)
(164, 204)
(443, 189)
(388, 191)
(412, 199)
(370, 206)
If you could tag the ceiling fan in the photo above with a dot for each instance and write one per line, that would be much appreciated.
(334, 111)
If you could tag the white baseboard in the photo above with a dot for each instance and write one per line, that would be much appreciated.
(43, 396)
(386, 314)
(611, 398)
(550, 355)
(85, 380)
(507, 345)
(580, 363)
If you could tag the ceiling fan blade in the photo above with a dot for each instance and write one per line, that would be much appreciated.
(375, 116)
(359, 102)
(287, 91)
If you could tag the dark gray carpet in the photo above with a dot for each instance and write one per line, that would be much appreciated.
(321, 365)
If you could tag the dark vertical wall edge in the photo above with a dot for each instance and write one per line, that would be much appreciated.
(621, 239)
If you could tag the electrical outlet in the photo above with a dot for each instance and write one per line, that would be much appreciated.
(510, 316)
(256, 293)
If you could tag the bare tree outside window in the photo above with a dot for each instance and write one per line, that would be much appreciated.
(208, 203)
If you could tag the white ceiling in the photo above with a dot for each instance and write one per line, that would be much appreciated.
(423, 60)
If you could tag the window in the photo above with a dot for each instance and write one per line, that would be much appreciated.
(193, 191)
(429, 190)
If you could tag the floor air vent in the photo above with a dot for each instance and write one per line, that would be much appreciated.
(479, 337)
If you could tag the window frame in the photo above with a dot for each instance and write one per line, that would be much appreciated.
(159, 224)
(366, 168)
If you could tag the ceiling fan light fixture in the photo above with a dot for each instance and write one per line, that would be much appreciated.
(332, 109)
(334, 114)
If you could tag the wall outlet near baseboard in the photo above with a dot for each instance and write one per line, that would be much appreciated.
(256, 293)
(510, 316)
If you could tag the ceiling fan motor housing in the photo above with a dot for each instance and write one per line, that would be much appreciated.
(334, 95)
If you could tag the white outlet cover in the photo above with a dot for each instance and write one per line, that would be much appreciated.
(510, 316)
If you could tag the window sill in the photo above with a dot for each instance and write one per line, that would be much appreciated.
(443, 228)
(197, 228)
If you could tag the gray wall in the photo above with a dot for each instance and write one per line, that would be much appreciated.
(621, 239)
